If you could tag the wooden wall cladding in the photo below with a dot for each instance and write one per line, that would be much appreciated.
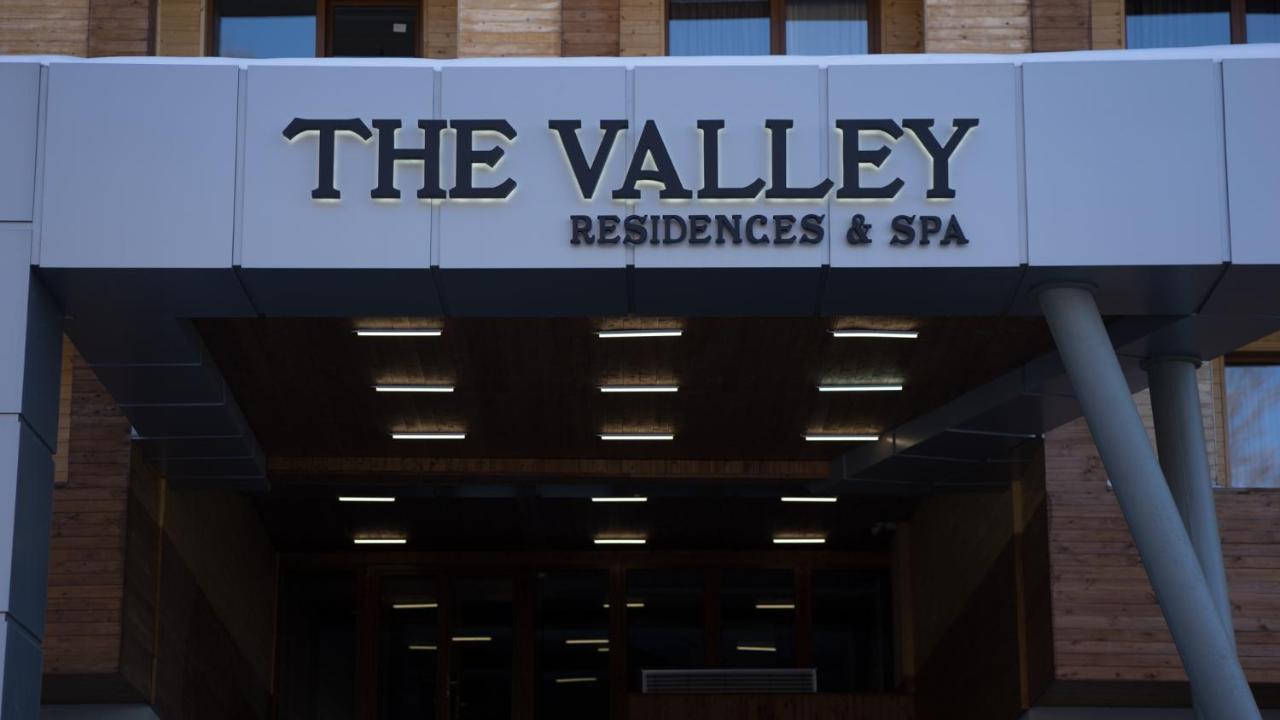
(1059, 25)
(441, 24)
(1106, 623)
(901, 26)
(87, 547)
(180, 28)
(56, 27)
(642, 27)
(119, 27)
(770, 707)
(590, 28)
(509, 28)
(1107, 25)
(992, 26)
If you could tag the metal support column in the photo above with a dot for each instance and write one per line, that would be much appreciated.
(30, 361)
(1217, 680)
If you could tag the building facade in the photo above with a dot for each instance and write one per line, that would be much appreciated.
(224, 584)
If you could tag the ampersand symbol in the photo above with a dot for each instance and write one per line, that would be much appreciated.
(858, 229)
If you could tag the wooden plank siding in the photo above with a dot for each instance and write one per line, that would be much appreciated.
(441, 25)
(119, 27)
(180, 27)
(1060, 25)
(642, 27)
(87, 547)
(988, 26)
(1106, 623)
(901, 26)
(1106, 25)
(590, 28)
(509, 28)
(55, 27)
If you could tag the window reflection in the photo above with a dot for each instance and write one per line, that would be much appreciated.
(1253, 406)
(482, 650)
(667, 632)
(827, 27)
(409, 624)
(573, 646)
(718, 27)
(758, 619)
(1177, 23)
(1262, 21)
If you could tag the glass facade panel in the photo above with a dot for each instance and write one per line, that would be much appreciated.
(1262, 21)
(482, 657)
(270, 29)
(573, 646)
(718, 27)
(1253, 425)
(409, 625)
(317, 647)
(851, 631)
(758, 619)
(827, 27)
(1177, 23)
(375, 30)
(668, 631)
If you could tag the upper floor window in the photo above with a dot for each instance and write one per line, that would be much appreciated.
(266, 28)
(1186, 23)
(1253, 421)
(762, 27)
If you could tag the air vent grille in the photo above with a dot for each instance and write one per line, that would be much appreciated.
(779, 680)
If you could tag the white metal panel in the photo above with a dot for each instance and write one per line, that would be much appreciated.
(19, 113)
(1251, 91)
(983, 168)
(1124, 163)
(139, 166)
(676, 97)
(531, 228)
(283, 226)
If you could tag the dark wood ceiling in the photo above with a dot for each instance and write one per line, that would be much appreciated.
(528, 388)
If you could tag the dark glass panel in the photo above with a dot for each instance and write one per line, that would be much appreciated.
(757, 619)
(375, 30)
(409, 626)
(1262, 21)
(317, 646)
(481, 668)
(572, 646)
(718, 27)
(1177, 23)
(667, 632)
(851, 631)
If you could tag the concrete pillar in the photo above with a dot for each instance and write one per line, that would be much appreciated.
(1217, 680)
(30, 360)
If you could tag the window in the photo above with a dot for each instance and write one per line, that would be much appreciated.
(369, 30)
(668, 631)
(266, 28)
(1253, 424)
(851, 631)
(573, 645)
(1186, 23)
(763, 27)
(758, 619)
(408, 624)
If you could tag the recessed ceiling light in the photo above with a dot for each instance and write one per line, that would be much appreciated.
(587, 641)
(380, 541)
(365, 499)
(620, 499)
(571, 680)
(799, 540)
(757, 648)
(415, 606)
(422, 647)
(399, 332)
(898, 334)
(809, 499)
(472, 638)
(639, 388)
(637, 436)
(651, 333)
(620, 541)
(859, 388)
(775, 606)
(429, 436)
(842, 438)
(413, 388)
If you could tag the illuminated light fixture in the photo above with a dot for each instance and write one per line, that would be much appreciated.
(602, 649)
(413, 388)
(639, 388)
(637, 436)
(798, 540)
(631, 605)
(650, 333)
(775, 606)
(422, 647)
(399, 332)
(415, 606)
(620, 541)
(757, 648)
(365, 498)
(860, 388)
(380, 541)
(620, 499)
(472, 638)
(429, 436)
(898, 334)
(809, 498)
(571, 680)
(587, 641)
(841, 438)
